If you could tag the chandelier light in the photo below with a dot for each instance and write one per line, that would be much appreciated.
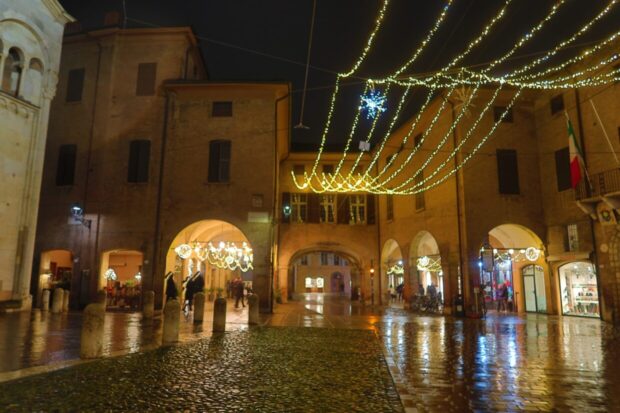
(110, 274)
(426, 263)
(225, 255)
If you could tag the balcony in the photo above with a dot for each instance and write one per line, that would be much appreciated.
(603, 183)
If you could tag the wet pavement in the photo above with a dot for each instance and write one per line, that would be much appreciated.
(503, 363)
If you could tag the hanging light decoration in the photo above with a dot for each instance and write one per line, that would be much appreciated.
(426, 263)
(396, 269)
(110, 274)
(226, 255)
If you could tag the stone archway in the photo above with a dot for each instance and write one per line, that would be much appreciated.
(425, 263)
(391, 270)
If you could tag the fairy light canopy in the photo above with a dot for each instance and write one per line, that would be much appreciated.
(485, 87)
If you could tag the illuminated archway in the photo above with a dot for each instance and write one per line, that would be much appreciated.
(55, 270)
(218, 249)
(120, 275)
(392, 268)
(513, 271)
(425, 263)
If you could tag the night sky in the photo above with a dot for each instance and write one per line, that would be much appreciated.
(280, 28)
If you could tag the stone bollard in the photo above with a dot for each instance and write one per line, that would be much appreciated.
(172, 317)
(57, 300)
(219, 315)
(65, 302)
(148, 305)
(45, 300)
(199, 307)
(253, 309)
(102, 298)
(91, 340)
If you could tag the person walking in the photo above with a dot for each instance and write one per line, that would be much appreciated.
(238, 289)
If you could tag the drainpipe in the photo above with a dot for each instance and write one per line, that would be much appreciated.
(594, 256)
(458, 203)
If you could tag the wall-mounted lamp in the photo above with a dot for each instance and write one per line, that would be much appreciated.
(77, 212)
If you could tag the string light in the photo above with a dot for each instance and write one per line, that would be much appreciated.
(226, 255)
(450, 77)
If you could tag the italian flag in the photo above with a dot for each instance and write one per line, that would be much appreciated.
(576, 158)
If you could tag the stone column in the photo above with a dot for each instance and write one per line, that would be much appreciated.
(91, 339)
(253, 309)
(45, 300)
(172, 317)
(199, 307)
(148, 305)
(57, 300)
(219, 315)
(101, 298)
(65, 302)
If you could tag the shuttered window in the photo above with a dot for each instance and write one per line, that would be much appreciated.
(557, 104)
(508, 172)
(370, 209)
(222, 109)
(147, 75)
(390, 207)
(75, 85)
(65, 170)
(139, 157)
(562, 169)
(420, 202)
(498, 111)
(219, 161)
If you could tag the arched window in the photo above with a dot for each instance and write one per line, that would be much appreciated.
(13, 66)
(31, 88)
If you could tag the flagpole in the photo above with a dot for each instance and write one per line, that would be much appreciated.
(604, 132)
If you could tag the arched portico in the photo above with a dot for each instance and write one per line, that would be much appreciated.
(425, 263)
(391, 271)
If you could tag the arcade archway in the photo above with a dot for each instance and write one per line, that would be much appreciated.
(121, 277)
(214, 249)
(513, 271)
(55, 270)
(392, 269)
(425, 264)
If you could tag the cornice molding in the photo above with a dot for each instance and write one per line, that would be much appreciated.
(58, 11)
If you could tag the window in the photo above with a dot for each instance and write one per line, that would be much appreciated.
(65, 170)
(507, 172)
(219, 161)
(328, 169)
(498, 111)
(34, 83)
(299, 169)
(336, 260)
(389, 207)
(147, 76)
(562, 169)
(328, 209)
(75, 85)
(324, 258)
(222, 109)
(12, 75)
(357, 209)
(139, 156)
(573, 237)
(299, 207)
(557, 104)
(309, 282)
(420, 202)
(304, 260)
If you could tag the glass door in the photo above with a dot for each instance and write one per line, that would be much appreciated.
(534, 289)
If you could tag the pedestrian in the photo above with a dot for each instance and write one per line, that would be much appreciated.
(238, 289)
(502, 297)
(199, 283)
(399, 291)
(189, 294)
(420, 290)
(392, 293)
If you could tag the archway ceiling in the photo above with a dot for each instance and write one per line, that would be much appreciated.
(391, 251)
(513, 236)
(423, 244)
(211, 230)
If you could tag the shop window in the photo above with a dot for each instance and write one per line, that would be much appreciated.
(579, 289)
(389, 209)
(320, 282)
(147, 76)
(299, 207)
(65, 169)
(562, 169)
(222, 109)
(309, 282)
(299, 169)
(219, 161)
(357, 209)
(420, 202)
(12, 75)
(328, 169)
(139, 156)
(498, 111)
(507, 172)
(328, 208)
(557, 104)
(75, 85)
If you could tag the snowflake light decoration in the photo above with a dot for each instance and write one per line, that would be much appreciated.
(373, 103)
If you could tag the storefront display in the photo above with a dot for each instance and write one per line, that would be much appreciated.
(579, 289)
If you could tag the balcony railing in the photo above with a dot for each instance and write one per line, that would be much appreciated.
(602, 183)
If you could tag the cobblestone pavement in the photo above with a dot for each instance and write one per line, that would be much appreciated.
(262, 369)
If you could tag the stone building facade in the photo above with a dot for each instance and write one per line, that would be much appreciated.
(30, 43)
(146, 154)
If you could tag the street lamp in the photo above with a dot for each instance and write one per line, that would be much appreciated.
(77, 212)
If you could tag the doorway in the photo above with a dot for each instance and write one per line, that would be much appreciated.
(534, 289)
